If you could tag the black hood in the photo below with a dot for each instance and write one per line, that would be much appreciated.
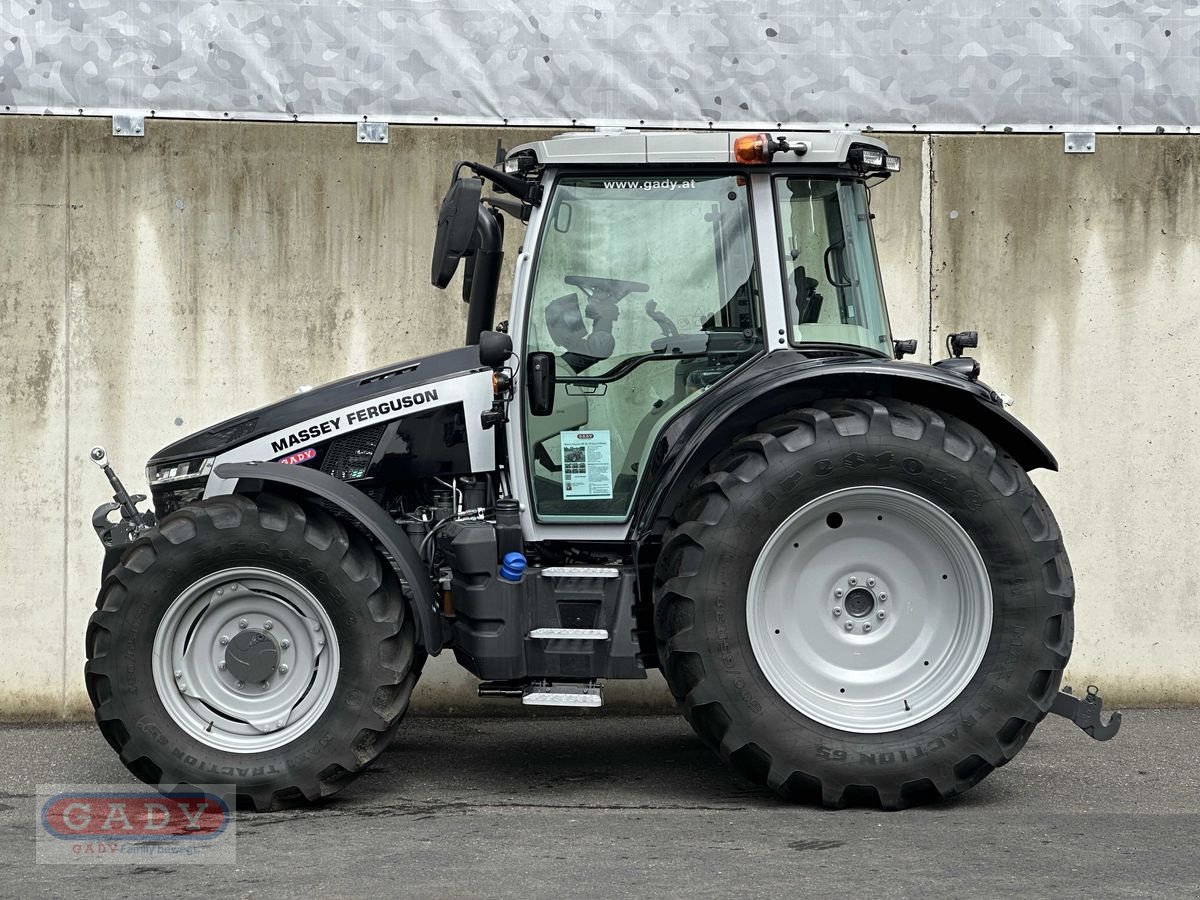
(309, 404)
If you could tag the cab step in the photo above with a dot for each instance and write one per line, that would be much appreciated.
(577, 695)
(569, 634)
(580, 572)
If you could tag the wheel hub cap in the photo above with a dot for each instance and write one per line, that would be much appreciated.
(869, 609)
(860, 602)
(252, 656)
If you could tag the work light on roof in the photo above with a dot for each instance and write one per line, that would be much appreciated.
(873, 158)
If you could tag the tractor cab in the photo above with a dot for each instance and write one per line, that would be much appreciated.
(654, 267)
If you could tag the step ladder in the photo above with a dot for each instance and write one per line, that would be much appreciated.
(580, 572)
(569, 634)
(578, 695)
(547, 693)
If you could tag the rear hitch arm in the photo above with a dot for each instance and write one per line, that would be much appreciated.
(1085, 712)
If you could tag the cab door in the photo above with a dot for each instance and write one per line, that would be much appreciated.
(645, 291)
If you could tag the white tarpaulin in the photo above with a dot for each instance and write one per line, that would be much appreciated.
(888, 63)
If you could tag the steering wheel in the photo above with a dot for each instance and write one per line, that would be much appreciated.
(603, 295)
(605, 290)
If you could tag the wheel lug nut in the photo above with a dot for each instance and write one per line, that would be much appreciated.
(882, 596)
(178, 674)
(232, 588)
(837, 611)
(182, 687)
(268, 624)
(866, 626)
(243, 623)
(321, 641)
(870, 582)
(838, 592)
(224, 640)
(853, 580)
(283, 669)
(241, 684)
(220, 591)
(221, 665)
(285, 644)
(266, 684)
(849, 626)
(316, 626)
(883, 614)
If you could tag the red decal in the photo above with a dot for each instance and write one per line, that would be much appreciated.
(73, 816)
(301, 456)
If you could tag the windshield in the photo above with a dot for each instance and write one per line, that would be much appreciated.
(834, 295)
(646, 293)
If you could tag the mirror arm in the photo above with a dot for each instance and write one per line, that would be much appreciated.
(514, 208)
(528, 191)
(485, 279)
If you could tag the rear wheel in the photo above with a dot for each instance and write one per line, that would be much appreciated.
(256, 643)
(864, 602)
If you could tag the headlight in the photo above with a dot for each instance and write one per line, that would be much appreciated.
(191, 468)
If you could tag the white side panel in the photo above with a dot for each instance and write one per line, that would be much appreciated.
(473, 390)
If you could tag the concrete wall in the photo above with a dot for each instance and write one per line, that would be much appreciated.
(151, 286)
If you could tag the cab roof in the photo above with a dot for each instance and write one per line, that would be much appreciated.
(628, 147)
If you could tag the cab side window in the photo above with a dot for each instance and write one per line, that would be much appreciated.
(646, 293)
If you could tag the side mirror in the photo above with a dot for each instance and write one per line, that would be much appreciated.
(539, 373)
(455, 228)
(494, 348)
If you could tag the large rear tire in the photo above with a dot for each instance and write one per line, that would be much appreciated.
(255, 643)
(864, 602)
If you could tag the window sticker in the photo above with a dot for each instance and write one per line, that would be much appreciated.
(587, 465)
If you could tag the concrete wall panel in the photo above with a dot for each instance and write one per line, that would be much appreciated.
(152, 286)
(33, 416)
(1081, 273)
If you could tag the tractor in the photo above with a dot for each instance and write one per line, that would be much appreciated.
(694, 446)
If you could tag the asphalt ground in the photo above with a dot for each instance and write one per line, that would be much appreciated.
(637, 807)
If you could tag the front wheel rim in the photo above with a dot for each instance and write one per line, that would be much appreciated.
(245, 659)
(869, 609)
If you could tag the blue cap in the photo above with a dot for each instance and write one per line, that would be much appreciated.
(513, 566)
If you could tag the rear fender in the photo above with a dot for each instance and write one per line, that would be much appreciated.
(370, 516)
(783, 381)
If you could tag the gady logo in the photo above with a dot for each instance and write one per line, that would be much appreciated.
(197, 816)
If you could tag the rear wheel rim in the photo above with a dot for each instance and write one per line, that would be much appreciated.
(869, 609)
(245, 659)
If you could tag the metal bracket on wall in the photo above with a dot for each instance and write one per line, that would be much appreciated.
(372, 132)
(129, 126)
(1079, 142)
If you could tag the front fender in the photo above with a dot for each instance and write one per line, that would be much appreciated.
(783, 380)
(368, 514)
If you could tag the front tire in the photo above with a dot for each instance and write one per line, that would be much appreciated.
(251, 642)
(809, 679)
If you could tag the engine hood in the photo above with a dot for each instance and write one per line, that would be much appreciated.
(301, 407)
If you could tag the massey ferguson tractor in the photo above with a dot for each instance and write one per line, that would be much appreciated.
(693, 446)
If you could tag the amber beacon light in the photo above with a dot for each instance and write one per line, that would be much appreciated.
(752, 148)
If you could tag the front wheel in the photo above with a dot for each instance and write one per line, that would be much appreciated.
(864, 602)
(254, 643)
